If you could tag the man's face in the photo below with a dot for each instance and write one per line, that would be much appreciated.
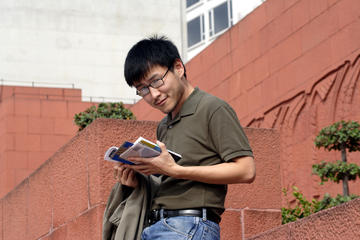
(168, 97)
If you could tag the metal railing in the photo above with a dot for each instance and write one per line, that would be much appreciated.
(67, 85)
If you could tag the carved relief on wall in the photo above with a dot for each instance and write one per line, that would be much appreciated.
(299, 118)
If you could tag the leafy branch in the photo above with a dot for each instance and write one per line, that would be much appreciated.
(103, 110)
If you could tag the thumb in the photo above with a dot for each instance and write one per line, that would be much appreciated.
(161, 145)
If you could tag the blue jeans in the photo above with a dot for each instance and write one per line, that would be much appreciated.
(182, 228)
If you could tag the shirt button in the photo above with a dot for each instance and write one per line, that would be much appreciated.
(170, 127)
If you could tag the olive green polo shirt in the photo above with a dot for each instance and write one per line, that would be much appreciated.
(205, 132)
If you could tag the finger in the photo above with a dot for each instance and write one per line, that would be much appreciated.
(161, 145)
(125, 174)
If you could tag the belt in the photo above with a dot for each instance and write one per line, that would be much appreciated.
(155, 215)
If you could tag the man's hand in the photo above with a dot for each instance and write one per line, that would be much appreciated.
(125, 176)
(163, 164)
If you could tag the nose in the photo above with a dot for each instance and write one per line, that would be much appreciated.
(154, 92)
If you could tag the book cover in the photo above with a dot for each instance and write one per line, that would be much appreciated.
(140, 148)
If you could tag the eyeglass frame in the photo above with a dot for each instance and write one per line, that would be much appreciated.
(146, 88)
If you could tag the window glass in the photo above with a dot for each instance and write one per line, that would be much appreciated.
(189, 3)
(194, 31)
(221, 17)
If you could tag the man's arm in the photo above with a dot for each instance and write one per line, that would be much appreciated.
(240, 170)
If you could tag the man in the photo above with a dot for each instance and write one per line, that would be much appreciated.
(203, 129)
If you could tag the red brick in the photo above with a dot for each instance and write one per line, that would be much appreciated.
(275, 32)
(250, 25)
(59, 233)
(27, 142)
(346, 41)
(51, 91)
(332, 2)
(285, 52)
(7, 181)
(206, 61)
(231, 225)
(274, 8)
(261, 69)
(69, 176)
(16, 160)
(53, 142)
(21, 174)
(1, 219)
(7, 141)
(257, 221)
(68, 92)
(270, 90)
(265, 191)
(234, 37)
(225, 68)
(28, 107)
(65, 126)
(15, 213)
(290, 3)
(7, 107)
(222, 90)
(35, 159)
(348, 11)
(55, 97)
(247, 74)
(79, 228)
(317, 7)
(315, 61)
(241, 105)
(53, 108)
(320, 29)
(194, 67)
(300, 14)
(26, 90)
(40, 203)
(42, 125)
(235, 87)
(247, 52)
(221, 46)
(7, 92)
(16, 124)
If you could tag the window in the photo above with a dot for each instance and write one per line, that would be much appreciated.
(189, 3)
(220, 18)
(195, 30)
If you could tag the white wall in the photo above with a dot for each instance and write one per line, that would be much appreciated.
(240, 8)
(80, 42)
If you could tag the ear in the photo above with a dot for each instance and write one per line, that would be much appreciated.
(179, 67)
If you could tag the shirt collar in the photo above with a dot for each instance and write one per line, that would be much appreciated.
(189, 106)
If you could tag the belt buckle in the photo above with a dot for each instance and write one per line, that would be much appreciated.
(154, 216)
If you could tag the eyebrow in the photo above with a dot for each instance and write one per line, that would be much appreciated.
(154, 76)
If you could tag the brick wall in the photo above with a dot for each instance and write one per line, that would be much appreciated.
(341, 222)
(34, 123)
(293, 65)
(65, 197)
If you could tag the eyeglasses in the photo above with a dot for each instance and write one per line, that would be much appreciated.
(156, 83)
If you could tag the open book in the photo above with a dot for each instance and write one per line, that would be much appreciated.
(140, 148)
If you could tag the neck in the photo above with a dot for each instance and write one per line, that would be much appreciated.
(187, 92)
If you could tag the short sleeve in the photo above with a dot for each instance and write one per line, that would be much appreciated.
(227, 135)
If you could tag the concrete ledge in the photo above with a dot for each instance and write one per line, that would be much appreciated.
(67, 194)
(340, 222)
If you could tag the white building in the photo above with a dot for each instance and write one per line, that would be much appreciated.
(83, 43)
(207, 19)
(80, 43)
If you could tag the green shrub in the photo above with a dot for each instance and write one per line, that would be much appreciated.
(103, 110)
(340, 136)
(304, 208)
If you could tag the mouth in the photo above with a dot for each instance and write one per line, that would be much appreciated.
(160, 102)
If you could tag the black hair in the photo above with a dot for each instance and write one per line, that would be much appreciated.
(147, 53)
